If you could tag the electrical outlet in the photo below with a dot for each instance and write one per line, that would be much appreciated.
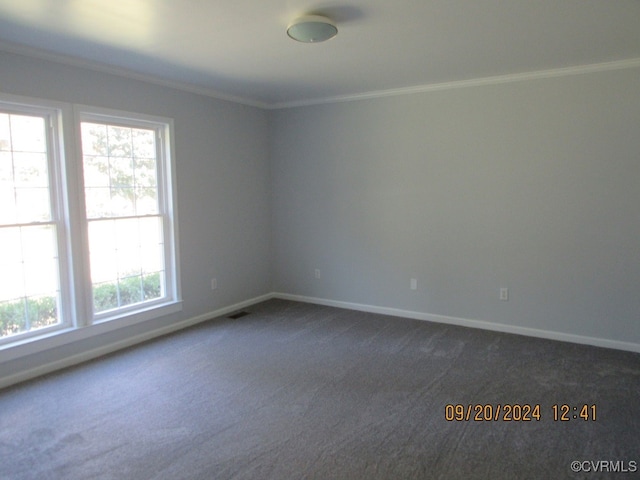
(413, 284)
(214, 284)
(317, 273)
(504, 294)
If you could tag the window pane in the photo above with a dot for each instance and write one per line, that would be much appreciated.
(7, 192)
(29, 279)
(12, 280)
(40, 260)
(146, 201)
(122, 159)
(96, 171)
(30, 170)
(38, 243)
(127, 261)
(6, 167)
(8, 212)
(98, 202)
(40, 277)
(152, 286)
(94, 139)
(105, 296)
(144, 143)
(121, 172)
(151, 259)
(13, 318)
(5, 133)
(32, 205)
(104, 258)
(151, 231)
(10, 241)
(123, 202)
(28, 133)
(104, 267)
(119, 141)
(145, 173)
(103, 230)
(24, 180)
(42, 311)
(130, 290)
(146, 182)
(28, 314)
(127, 233)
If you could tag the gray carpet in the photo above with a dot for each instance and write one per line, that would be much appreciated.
(296, 391)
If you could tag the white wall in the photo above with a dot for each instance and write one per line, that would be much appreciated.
(532, 185)
(222, 186)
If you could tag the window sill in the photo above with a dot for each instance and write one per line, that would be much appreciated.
(66, 336)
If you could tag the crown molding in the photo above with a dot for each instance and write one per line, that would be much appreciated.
(72, 61)
(213, 93)
(475, 82)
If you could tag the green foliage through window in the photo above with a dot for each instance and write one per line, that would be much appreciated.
(28, 314)
(126, 291)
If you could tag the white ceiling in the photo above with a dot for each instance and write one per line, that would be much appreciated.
(238, 49)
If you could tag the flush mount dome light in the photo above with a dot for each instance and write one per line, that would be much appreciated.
(312, 29)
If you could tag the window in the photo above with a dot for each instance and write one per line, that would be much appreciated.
(118, 235)
(127, 212)
(29, 223)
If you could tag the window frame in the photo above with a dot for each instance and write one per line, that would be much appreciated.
(52, 115)
(77, 319)
(167, 202)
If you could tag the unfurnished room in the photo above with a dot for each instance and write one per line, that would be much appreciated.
(314, 240)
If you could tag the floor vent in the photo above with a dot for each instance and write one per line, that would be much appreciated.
(238, 315)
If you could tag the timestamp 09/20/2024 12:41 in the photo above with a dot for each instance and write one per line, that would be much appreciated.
(516, 412)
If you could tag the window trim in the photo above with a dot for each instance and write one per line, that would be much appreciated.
(68, 214)
(51, 113)
(166, 197)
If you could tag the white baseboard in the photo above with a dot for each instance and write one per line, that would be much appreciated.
(465, 322)
(81, 357)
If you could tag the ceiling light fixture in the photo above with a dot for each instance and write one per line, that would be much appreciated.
(312, 29)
